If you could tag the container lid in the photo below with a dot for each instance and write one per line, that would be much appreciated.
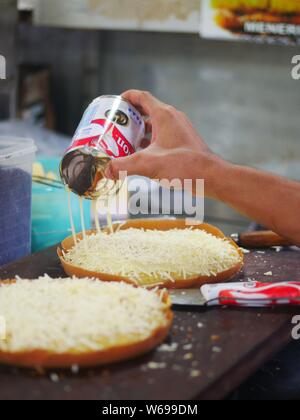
(11, 147)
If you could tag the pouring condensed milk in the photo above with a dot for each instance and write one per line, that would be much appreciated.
(110, 128)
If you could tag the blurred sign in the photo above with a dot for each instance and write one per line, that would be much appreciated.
(261, 20)
(157, 15)
(26, 4)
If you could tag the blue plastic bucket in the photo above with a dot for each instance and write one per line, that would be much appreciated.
(50, 215)
(16, 159)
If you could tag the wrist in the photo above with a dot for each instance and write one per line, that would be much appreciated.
(217, 176)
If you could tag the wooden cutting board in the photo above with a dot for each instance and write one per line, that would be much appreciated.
(210, 352)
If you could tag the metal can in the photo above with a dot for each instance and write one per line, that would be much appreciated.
(110, 128)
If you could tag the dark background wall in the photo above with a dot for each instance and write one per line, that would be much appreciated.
(74, 57)
(8, 22)
(241, 97)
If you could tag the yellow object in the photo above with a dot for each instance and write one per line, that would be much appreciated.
(51, 176)
(285, 6)
(240, 4)
(272, 6)
(38, 169)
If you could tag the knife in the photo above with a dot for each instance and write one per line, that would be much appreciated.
(244, 294)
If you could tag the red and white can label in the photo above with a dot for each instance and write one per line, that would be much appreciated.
(111, 125)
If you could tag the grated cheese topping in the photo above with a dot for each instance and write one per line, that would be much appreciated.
(151, 256)
(77, 315)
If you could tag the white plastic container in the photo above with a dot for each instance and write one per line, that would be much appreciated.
(16, 160)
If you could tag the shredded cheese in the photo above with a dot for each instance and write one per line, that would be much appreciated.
(77, 315)
(152, 256)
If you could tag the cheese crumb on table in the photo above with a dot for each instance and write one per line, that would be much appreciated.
(268, 274)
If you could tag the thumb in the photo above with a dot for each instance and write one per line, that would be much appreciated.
(135, 164)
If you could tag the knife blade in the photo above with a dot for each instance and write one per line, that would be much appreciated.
(187, 298)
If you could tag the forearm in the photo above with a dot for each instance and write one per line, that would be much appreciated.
(178, 152)
(270, 200)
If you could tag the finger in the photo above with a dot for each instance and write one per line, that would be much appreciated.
(136, 164)
(146, 102)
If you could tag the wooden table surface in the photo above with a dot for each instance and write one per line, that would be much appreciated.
(215, 350)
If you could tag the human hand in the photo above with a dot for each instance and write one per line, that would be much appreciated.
(176, 150)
